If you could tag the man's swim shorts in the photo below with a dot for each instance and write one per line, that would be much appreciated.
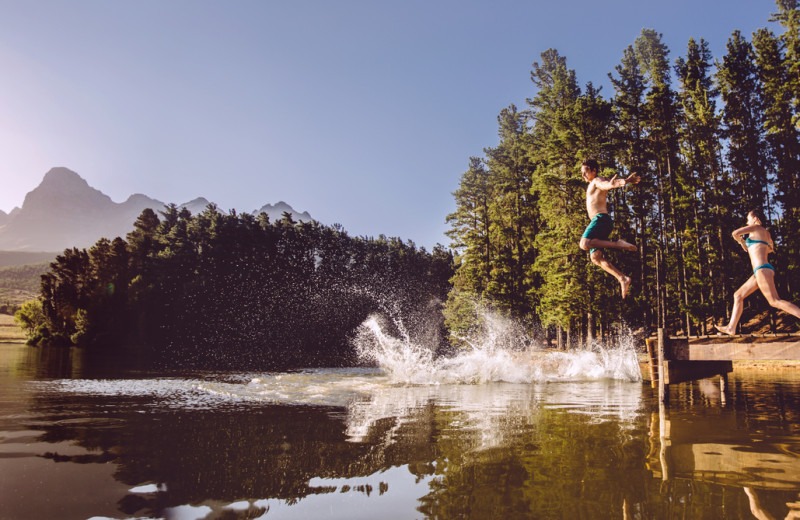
(600, 227)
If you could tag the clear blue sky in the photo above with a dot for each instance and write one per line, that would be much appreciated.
(363, 113)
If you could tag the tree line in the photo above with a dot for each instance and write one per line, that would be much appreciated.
(711, 138)
(235, 290)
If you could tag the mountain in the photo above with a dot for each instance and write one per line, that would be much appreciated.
(64, 211)
(195, 206)
(276, 212)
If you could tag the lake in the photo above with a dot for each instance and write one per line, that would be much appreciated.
(488, 434)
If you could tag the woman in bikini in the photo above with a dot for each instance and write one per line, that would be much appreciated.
(758, 243)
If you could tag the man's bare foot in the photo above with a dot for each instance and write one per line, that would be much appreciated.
(627, 246)
(725, 330)
(625, 283)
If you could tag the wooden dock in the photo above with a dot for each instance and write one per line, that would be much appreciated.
(678, 359)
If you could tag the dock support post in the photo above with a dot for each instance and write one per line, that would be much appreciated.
(652, 358)
(663, 386)
(723, 387)
(666, 442)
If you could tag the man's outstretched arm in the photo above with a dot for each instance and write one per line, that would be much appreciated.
(614, 182)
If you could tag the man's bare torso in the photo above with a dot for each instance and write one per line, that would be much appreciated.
(596, 199)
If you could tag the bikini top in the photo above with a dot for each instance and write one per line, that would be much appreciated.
(750, 242)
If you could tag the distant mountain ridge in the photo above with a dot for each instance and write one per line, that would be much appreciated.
(64, 212)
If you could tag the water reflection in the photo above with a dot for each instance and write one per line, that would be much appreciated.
(25, 362)
(355, 444)
(712, 448)
(751, 444)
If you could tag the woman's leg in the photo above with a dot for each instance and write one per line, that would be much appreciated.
(747, 288)
(766, 282)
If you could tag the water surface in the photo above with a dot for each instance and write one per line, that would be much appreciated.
(490, 434)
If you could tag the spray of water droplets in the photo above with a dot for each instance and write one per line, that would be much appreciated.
(500, 352)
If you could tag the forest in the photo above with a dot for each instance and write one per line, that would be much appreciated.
(711, 138)
(226, 290)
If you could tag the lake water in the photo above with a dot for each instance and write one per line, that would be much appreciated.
(489, 434)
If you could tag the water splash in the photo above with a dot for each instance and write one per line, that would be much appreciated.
(500, 352)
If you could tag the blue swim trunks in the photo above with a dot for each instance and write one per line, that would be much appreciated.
(600, 227)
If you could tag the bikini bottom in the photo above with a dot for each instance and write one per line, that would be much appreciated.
(763, 266)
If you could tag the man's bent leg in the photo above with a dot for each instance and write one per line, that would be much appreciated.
(597, 243)
(624, 281)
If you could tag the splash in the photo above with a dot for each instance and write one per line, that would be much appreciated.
(501, 352)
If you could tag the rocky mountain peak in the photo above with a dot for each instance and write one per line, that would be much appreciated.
(64, 190)
(64, 211)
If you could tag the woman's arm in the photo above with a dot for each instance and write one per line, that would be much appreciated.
(738, 234)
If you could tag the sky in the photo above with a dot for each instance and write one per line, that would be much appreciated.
(361, 112)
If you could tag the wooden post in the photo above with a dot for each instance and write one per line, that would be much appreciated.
(652, 357)
(663, 386)
(723, 387)
(666, 442)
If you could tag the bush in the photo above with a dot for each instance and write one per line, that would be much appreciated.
(30, 318)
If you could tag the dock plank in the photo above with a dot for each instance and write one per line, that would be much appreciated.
(744, 351)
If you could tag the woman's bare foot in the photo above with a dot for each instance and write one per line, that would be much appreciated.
(725, 330)
(627, 246)
(625, 283)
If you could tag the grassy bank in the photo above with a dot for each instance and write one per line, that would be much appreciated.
(21, 283)
(9, 331)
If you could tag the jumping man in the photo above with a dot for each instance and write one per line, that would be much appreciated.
(597, 232)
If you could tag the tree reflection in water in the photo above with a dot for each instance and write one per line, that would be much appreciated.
(353, 444)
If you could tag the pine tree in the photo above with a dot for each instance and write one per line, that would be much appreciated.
(633, 155)
(743, 126)
(783, 141)
(513, 215)
(703, 181)
(470, 228)
(564, 292)
(470, 232)
(662, 115)
(788, 16)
